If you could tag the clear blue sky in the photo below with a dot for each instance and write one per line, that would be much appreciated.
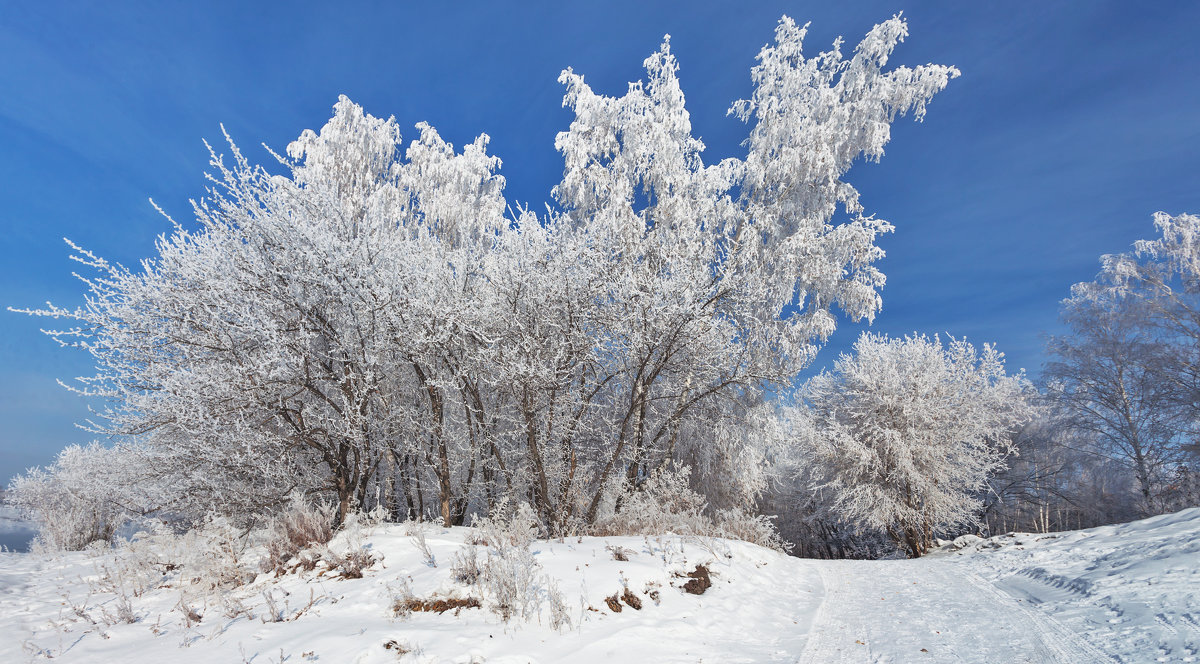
(1071, 124)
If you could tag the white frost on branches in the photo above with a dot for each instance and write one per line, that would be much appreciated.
(1128, 370)
(903, 434)
(373, 327)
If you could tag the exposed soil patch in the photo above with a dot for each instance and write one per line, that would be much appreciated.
(698, 581)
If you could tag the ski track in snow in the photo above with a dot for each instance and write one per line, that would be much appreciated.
(929, 611)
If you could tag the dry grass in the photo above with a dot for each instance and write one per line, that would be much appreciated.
(613, 602)
(434, 604)
(401, 649)
(464, 567)
(619, 553)
(351, 564)
(298, 528)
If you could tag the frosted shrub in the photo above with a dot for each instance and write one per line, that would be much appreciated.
(903, 435)
(347, 553)
(512, 523)
(215, 555)
(299, 527)
(464, 566)
(403, 598)
(508, 578)
(426, 553)
(759, 529)
(663, 503)
(71, 500)
(559, 618)
(352, 563)
(666, 503)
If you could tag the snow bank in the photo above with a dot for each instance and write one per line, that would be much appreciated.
(57, 607)
(1133, 588)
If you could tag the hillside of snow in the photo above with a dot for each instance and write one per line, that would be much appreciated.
(1125, 593)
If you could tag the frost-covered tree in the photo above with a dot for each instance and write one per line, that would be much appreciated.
(86, 495)
(372, 326)
(1162, 276)
(1125, 372)
(710, 281)
(286, 342)
(903, 434)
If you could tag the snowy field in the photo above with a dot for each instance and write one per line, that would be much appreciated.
(1125, 593)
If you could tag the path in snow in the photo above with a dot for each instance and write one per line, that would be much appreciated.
(929, 610)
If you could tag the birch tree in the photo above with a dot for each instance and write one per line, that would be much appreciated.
(1126, 369)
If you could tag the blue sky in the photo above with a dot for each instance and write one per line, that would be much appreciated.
(1071, 124)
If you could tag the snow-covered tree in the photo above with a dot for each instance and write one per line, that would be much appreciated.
(86, 495)
(903, 434)
(711, 281)
(281, 345)
(1127, 370)
(373, 326)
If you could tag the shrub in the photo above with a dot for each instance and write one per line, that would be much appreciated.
(75, 500)
(666, 503)
(300, 526)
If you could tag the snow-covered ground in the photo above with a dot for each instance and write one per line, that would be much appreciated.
(1123, 593)
(1132, 590)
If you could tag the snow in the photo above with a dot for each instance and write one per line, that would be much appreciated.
(1123, 593)
(1133, 589)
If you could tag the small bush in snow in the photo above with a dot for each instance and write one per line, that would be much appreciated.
(299, 527)
(666, 503)
(218, 557)
(464, 567)
(759, 529)
(559, 618)
(509, 579)
(402, 598)
(352, 563)
(426, 553)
